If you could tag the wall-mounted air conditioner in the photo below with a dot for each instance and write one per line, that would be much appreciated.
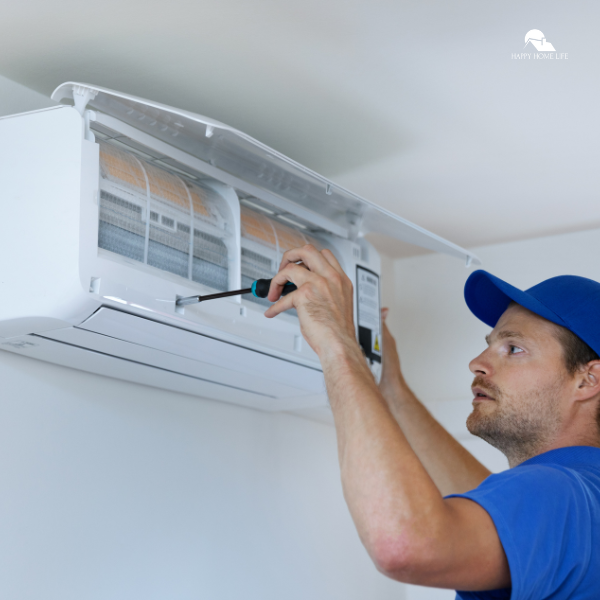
(115, 207)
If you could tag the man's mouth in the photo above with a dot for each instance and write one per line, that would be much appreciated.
(480, 395)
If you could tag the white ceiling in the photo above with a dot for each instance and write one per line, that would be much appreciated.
(414, 105)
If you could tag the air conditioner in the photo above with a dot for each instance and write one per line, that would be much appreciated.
(114, 206)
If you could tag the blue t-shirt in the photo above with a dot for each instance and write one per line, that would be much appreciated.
(547, 514)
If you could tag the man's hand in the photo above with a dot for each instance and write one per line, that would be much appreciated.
(324, 299)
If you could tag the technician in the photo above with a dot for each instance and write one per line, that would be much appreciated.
(426, 510)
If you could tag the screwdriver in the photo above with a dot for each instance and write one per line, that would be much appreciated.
(259, 289)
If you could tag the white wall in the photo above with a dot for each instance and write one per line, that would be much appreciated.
(110, 490)
(15, 98)
(438, 336)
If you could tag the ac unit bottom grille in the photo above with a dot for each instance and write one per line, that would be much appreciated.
(161, 369)
(128, 347)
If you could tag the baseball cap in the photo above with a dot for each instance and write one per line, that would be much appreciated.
(567, 300)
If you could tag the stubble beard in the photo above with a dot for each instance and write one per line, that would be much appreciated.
(518, 427)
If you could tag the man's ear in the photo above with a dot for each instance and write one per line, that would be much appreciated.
(588, 379)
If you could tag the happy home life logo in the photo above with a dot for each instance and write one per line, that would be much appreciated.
(539, 48)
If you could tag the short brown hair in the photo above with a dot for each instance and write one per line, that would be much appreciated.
(576, 354)
(575, 351)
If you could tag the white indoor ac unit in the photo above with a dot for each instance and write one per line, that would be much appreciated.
(116, 206)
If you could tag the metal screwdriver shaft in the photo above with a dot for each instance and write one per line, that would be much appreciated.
(196, 299)
(259, 289)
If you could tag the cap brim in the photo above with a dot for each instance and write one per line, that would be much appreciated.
(488, 297)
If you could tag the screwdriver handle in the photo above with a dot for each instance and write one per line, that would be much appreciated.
(260, 288)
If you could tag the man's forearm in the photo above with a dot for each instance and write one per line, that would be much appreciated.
(393, 501)
(410, 531)
(453, 469)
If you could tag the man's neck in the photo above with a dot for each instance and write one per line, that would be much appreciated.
(517, 456)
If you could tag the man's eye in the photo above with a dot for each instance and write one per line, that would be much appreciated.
(515, 350)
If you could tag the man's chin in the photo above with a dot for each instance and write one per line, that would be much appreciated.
(480, 417)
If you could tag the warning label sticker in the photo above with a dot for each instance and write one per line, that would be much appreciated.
(368, 313)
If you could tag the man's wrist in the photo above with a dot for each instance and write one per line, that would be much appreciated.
(395, 384)
(339, 351)
(396, 392)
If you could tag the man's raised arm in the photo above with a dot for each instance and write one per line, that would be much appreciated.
(453, 469)
(411, 532)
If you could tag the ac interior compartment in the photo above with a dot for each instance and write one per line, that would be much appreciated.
(160, 218)
(264, 240)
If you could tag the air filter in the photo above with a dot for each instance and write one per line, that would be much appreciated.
(158, 218)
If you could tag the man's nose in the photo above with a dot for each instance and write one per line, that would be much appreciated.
(481, 365)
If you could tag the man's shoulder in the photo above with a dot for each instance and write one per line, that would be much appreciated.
(546, 480)
(547, 515)
(536, 477)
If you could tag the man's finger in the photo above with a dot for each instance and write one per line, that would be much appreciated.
(297, 274)
(332, 260)
(310, 256)
(284, 303)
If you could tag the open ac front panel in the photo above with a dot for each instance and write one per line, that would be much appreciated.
(101, 237)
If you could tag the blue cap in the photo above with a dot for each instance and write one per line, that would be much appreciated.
(567, 300)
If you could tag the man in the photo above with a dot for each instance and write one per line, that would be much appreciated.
(426, 510)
